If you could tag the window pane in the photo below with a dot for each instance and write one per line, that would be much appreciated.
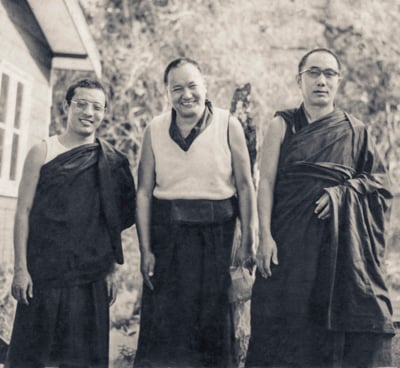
(18, 105)
(1, 148)
(14, 157)
(3, 97)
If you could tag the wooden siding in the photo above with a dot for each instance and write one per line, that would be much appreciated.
(22, 37)
(25, 49)
(7, 212)
(23, 45)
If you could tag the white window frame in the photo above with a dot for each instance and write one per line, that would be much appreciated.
(9, 187)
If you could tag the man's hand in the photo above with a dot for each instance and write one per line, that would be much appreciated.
(266, 252)
(245, 255)
(323, 206)
(22, 286)
(111, 289)
(147, 264)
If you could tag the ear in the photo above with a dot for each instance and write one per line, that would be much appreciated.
(66, 106)
(167, 94)
(298, 80)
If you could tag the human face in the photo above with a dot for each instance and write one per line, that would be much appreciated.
(187, 91)
(86, 111)
(319, 91)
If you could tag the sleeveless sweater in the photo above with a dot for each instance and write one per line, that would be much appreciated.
(202, 172)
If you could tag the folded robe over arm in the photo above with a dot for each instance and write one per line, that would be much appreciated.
(358, 297)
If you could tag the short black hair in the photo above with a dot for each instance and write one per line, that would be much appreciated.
(178, 62)
(84, 83)
(319, 49)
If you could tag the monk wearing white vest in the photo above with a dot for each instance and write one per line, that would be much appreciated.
(194, 181)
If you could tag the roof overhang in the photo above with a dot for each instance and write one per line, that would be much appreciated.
(64, 26)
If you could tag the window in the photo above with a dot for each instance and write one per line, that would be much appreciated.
(14, 108)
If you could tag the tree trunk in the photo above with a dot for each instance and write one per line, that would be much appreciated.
(240, 108)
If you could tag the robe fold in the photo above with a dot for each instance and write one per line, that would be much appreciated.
(85, 197)
(330, 274)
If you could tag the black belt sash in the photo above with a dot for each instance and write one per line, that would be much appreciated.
(193, 211)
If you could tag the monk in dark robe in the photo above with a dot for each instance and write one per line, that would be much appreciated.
(319, 298)
(76, 196)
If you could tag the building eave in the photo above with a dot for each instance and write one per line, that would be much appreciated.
(67, 33)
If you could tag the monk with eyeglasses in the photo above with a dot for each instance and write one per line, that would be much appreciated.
(319, 298)
(75, 197)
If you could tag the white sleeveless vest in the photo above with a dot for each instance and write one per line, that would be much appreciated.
(202, 172)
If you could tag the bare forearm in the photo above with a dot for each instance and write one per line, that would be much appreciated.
(22, 286)
(247, 210)
(21, 229)
(143, 221)
(265, 204)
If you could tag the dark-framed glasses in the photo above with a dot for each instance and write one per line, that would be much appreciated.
(314, 72)
(84, 104)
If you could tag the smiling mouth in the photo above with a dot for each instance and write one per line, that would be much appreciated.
(86, 121)
(188, 103)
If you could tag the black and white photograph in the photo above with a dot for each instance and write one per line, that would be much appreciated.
(199, 184)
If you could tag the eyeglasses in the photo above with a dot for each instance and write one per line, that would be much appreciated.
(83, 104)
(315, 72)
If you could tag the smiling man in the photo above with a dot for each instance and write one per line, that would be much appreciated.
(319, 298)
(194, 180)
(76, 196)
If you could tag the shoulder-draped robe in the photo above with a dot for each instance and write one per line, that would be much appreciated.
(329, 271)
